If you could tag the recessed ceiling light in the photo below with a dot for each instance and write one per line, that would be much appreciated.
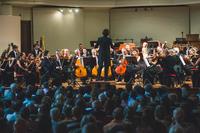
(76, 10)
(61, 10)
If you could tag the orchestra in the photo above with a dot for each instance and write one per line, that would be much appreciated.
(159, 64)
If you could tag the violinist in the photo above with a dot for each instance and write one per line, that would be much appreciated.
(21, 67)
(8, 66)
(136, 65)
(37, 52)
(15, 52)
(65, 53)
(31, 74)
(46, 67)
(58, 67)
(195, 61)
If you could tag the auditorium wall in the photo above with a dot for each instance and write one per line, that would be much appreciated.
(67, 30)
(23, 12)
(163, 24)
(9, 31)
(195, 20)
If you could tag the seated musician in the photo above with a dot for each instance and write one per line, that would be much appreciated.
(82, 50)
(58, 68)
(46, 67)
(7, 69)
(196, 74)
(15, 52)
(31, 74)
(66, 54)
(168, 63)
(145, 50)
(21, 68)
(194, 60)
(136, 65)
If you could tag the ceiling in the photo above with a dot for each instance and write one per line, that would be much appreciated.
(100, 3)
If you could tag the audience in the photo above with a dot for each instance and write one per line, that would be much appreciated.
(56, 109)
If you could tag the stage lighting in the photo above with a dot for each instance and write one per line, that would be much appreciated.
(76, 10)
(61, 10)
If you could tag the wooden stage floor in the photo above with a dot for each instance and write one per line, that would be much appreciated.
(121, 84)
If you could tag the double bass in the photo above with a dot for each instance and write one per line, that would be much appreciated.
(95, 68)
(80, 71)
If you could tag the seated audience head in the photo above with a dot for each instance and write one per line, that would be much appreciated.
(90, 128)
(87, 119)
(117, 114)
(55, 114)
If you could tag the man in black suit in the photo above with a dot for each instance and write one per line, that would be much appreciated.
(46, 67)
(36, 51)
(104, 43)
(15, 52)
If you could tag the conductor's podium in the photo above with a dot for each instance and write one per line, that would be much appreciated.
(104, 84)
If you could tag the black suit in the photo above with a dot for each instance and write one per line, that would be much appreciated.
(104, 43)
(47, 69)
(13, 54)
(36, 52)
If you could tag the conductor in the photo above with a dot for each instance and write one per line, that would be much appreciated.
(104, 43)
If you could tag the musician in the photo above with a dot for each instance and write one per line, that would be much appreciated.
(195, 62)
(168, 62)
(58, 67)
(46, 67)
(31, 74)
(36, 50)
(21, 67)
(66, 54)
(196, 74)
(145, 50)
(104, 43)
(15, 52)
(7, 70)
(82, 50)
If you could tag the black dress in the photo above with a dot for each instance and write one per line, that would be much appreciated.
(30, 76)
(20, 72)
(8, 73)
(196, 75)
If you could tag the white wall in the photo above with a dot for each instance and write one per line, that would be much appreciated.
(9, 31)
(67, 30)
(5, 9)
(60, 30)
(195, 20)
(164, 23)
(94, 22)
(23, 12)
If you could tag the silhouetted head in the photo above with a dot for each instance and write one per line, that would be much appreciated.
(106, 32)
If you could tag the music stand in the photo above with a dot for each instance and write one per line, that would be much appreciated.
(89, 61)
(92, 43)
(89, 52)
(131, 60)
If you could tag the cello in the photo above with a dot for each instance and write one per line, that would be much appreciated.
(121, 68)
(95, 68)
